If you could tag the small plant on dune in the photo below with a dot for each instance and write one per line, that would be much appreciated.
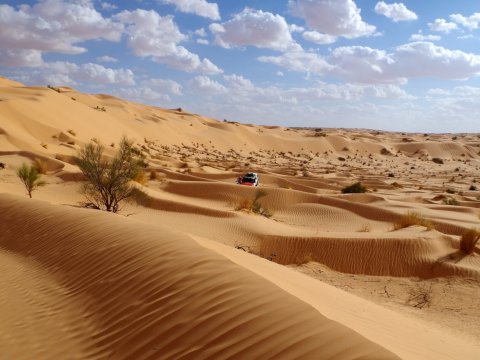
(364, 228)
(30, 178)
(44, 145)
(413, 218)
(72, 132)
(40, 165)
(437, 160)
(469, 240)
(472, 188)
(254, 205)
(140, 177)
(450, 201)
(153, 174)
(108, 181)
(420, 295)
(354, 188)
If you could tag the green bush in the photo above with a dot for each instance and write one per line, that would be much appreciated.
(30, 178)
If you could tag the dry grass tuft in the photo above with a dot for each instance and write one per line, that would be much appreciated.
(140, 177)
(364, 228)
(40, 165)
(469, 240)
(153, 174)
(413, 218)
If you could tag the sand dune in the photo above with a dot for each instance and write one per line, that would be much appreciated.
(167, 277)
(154, 294)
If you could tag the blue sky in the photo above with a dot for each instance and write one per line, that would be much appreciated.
(406, 66)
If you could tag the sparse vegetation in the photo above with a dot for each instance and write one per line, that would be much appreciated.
(71, 132)
(108, 181)
(364, 228)
(30, 178)
(472, 188)
(450, 201)
(354, 188)
(40, 165)
(420, 295)
(469, 240)
(437, 161)
(254, 205)
(153, 174)
(413, 218)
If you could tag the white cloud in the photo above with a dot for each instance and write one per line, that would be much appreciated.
(157, 37)
(21, 57)
(471, 22)
(422, 37)
(364, 65)
(361, 64)
(336, 18)
(206, 86)
(200, 32)
(54, 26)
(319, 38)
(203, 41)
(165, 85)
(442, 25)
(254, 28)
(106, 58)
(143, 94)
(198, 7)
(396, 11)
(68, 73)
(108, 6)
(300, 61)
(425, 59)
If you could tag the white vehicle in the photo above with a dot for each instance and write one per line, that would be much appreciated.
(249, 179)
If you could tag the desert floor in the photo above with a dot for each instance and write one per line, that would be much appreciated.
(186, 271)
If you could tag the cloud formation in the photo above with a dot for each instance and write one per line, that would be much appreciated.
(254, 28)
(157, 37)
(335, 18)
(442, 25)
(396, 11)
(197, 7)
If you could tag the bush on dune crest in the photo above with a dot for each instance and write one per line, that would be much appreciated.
(108, 181)
(254, 205)
(413, 218)
(354, 188)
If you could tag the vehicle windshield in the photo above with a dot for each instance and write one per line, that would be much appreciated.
(248, 179)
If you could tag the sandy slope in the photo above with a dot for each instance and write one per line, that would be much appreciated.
(314, 228)
(147, 292)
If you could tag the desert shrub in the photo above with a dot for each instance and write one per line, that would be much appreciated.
(450, 191)
(30, 178)
(108, 181)
(40, 165)
(140, 177)
(72, 132)
(340, 158)
(364, 228)
(254, 205)
(437, 161)
(450, 201)
(354, 188)
(472, 188)
(469, 240)
(385, 151)
(413, 218)
(44, 145)
(420, 295)
(2, 165)
(153, 174)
